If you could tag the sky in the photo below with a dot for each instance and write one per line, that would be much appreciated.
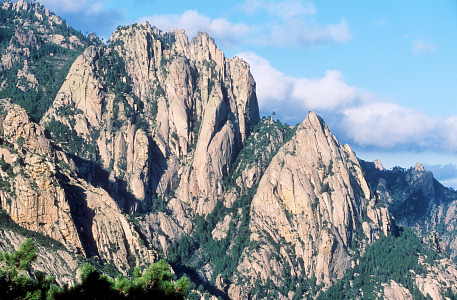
(382, 73)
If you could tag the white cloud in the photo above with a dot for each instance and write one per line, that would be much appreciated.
(326, 93)
(358, 116)
(291, 96)
(388, 125)
(286, 23)
(272, 85)
(420, 46)
(192, 22)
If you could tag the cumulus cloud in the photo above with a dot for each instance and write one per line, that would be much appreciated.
(291, 97)
(286, 23)
(420, 46)
(221, 29)
(358, 116)
(388, 125)
(325, 93)
(272, 85)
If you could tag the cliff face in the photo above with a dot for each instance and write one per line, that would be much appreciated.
(419, 201)
(38, 26)
(168, 115)
(311, 207)
(154, 141)
(59, 262)
(42, 192)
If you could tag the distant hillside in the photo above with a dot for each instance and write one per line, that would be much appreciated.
(417, 200)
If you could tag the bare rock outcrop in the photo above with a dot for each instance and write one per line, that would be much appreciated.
(59, 262)
(309, 206)
(164, 116)
(395, 291)
(35, 27)
(417, 200)
(41, 193)
(439, 277)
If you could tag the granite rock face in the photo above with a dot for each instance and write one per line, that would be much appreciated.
(42, 192)
(174, 128)
(417, 200)
(309, 206)
(38, 26)
(154, 142)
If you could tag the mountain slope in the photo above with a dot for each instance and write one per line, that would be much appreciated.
(171, 122)
(153, 147)
(42, 192)
(419, 201)
(310, 214)
(36, 50)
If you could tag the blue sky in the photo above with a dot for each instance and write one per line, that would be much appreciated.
(383, 74)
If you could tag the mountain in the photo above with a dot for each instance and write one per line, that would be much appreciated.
(37, 48)
(417, 200)
(152, 146)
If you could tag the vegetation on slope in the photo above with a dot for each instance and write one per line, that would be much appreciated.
(415, 199)
(18, 281)
(389, 258)
(47, 62)
(223, 254)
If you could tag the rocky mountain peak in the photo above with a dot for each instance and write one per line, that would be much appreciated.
(172, 113)
(154, 141)
(378, 165)
(311, 202)
(419, 167)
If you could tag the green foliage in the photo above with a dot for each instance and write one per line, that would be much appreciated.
(154, 108)
(159, 92)
(14, 282)
(325, 188)
(112, 70)
(49, 71)
(20, 141)
(409, 204)
(223, 254)
(389, 258)
(260, 147)
(200, 248)
(21, 259)
(156, 282)
(70, 141)
(6, 167)
(63, 165)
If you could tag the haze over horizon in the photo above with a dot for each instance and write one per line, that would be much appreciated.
(382, 74)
